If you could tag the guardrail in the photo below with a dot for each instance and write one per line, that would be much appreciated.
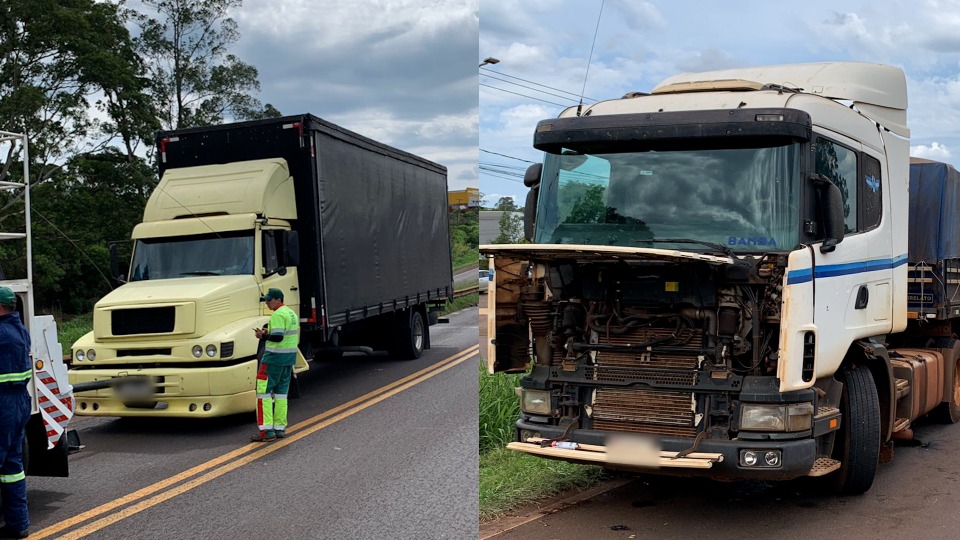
(465, 292)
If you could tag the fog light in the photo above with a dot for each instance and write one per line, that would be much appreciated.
(211, 350)
(207, 406)
(91, 355)
(749, 458)
(772, 458)
(197, 351)
(193, 407)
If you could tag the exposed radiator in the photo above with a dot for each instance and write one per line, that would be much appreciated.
(644, 411)
(640, 410)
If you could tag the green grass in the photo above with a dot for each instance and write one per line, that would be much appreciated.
(508, 479)
(460, 303)
(465, 259)
(499, 409)
(71, 330)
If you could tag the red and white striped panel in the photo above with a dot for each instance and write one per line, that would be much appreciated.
(56, 408)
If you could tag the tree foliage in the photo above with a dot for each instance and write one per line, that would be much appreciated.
(89, 96)
(464, 236)
(196, 81)
(511, 228)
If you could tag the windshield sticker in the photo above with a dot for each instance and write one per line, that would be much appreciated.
(873, 183)
(646, 173)
(751, 241)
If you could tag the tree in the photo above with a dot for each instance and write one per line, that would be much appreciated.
(54, 57)
(511, 228)
(195, 81)
(506, 204)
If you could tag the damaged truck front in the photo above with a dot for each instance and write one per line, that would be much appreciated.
(715, 269)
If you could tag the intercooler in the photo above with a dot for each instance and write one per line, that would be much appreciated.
(642, 410)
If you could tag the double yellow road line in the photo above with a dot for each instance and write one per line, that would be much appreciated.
(157, 493)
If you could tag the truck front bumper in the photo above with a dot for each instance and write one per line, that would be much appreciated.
(718, 459)
(175, 392)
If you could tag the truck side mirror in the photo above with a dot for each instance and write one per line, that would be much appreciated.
(530, 213)
(531, 179)
(830, 208)
(115, 264)
(291, 248)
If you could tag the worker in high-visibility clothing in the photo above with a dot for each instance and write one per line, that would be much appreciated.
(276, 367)
(15, 372)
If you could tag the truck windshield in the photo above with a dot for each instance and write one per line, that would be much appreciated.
(747, 199)
(220, 254)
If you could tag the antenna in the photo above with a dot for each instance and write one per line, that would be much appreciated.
(590, 59)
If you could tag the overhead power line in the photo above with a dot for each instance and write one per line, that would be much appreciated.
(574, 99)
(506, 156)
(524, 95)
(577, 96)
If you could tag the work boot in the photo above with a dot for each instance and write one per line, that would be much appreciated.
(9, 532)
(264, 436)
(280, 433)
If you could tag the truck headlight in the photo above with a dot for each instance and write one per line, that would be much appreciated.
(535, 402)
(761, 418)
(793, 417)
(91, 355)
(197, 351)
(211, 350)
(80, 355)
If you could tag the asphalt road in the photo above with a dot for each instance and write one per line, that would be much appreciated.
(377, 448)
(915, 496)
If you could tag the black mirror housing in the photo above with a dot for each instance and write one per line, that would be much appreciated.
(530, 213)
(830, 208)
(291, 248)
(531, 178)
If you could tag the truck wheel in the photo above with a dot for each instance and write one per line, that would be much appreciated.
(948, 412)
(857, 447)
(410, 338)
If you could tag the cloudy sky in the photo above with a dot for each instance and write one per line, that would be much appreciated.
(543, 47)
(398, 71)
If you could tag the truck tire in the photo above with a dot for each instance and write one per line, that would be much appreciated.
(411, 337)
(857, 447)
(948, 412)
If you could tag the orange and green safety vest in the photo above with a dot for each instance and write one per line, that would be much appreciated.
(283, 322)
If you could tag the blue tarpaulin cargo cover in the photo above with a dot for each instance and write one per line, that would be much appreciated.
(934, 211)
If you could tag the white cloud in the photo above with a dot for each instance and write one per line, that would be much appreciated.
(935, 151)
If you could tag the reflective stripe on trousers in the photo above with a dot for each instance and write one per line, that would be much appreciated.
(273, 382)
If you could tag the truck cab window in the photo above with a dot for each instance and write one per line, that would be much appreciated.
(839, 164)
(871, 199)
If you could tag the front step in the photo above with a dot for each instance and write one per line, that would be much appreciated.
(902, 388)
(823, 466)
(901, 424)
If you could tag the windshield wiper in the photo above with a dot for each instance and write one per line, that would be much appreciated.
(200, 273)
(719, 247)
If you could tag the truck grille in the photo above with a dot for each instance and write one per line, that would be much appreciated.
(644, 411)
(647, 411)
(154, 320)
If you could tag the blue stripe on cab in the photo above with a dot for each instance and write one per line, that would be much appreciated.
(804, 275)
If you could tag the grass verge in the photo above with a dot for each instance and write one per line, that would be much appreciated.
(460, 303)
(508, 479)
(71, 330)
